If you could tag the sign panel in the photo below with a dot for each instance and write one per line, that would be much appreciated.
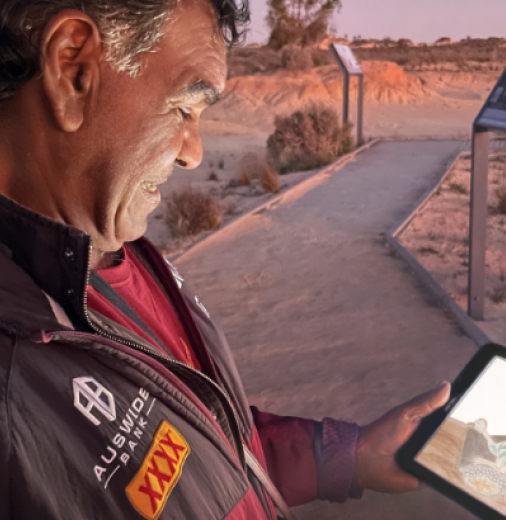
(493, 113)
(347, 59)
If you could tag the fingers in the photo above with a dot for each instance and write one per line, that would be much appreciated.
(425, 404)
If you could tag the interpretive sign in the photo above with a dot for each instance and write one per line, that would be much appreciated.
(492, 117)
(350, 67)
(493, 113)
(347, 58)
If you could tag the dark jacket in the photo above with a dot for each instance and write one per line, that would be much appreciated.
(96, 424)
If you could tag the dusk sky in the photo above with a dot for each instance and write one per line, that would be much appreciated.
(420, 21)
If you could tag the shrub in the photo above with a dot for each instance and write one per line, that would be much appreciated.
(253, 166)
(270, 179)
(308, 138)
(458, 188)
(191, 211)
(244, 179)
(296, 58)
(498, 295)
(501, 200)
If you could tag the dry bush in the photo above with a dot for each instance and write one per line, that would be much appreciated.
(191, 211)
(458, 188)
(309, 138)
(244, 179)
(252, 61)
(498, 295)
(501, 200)
(294, 58)
(270, 179)
(467, 55)
(256, 167)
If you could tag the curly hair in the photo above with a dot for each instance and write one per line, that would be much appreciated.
(128, 29)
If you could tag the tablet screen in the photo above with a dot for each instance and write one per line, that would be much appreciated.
(469, 448)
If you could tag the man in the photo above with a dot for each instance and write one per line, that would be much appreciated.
(119, 397)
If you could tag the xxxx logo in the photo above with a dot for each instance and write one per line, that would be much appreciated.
(150, 488)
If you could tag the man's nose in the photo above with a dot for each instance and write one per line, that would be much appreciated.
(190, 155)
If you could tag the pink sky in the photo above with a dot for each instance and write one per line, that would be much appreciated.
(421, 21)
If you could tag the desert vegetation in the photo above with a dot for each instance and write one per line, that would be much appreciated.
(191, 211)
(299, 22)
(309, 138)
(254, 167)
(468, 55)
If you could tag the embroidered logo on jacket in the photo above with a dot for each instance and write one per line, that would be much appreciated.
(150, 488)
(90, 395)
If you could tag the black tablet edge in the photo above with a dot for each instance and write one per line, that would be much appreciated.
(405, 456)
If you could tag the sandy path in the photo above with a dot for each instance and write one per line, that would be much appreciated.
(322, 319)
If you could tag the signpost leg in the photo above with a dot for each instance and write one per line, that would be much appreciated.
(360, 110)
(346, 97)
(478, 225)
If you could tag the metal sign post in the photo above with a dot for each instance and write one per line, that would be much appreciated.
(491, 117)
(350, 67)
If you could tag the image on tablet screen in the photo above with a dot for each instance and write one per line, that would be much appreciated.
(469, 448)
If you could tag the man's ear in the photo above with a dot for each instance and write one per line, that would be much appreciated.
(71, 51)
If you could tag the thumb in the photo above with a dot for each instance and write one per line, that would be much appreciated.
(425, 404)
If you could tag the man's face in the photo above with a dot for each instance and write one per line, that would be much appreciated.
(138, 128)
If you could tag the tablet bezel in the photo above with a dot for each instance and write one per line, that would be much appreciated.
(405, 457)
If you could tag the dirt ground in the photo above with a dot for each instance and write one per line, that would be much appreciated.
(439, 237)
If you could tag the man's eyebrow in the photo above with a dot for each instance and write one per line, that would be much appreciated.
(200, 89)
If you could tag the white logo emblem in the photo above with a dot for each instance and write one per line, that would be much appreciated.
(89, 394)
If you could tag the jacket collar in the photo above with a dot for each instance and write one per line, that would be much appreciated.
(54, 255)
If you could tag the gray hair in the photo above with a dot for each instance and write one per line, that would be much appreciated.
(128, 29)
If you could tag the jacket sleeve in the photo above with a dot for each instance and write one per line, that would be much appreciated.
(309, 460)
(6, 350)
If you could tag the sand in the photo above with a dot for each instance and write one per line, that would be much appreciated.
(439, 238)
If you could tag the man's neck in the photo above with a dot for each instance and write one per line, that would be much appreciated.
(106, 260)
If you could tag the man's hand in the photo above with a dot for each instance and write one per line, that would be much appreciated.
(376, 468)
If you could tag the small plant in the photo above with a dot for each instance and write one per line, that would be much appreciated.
(254, 166)
(428, 250)
(270, 178)
(501, 200)
(221, 164)
(458, 188)
(498, 295)
(213, 176)
(296, 58)
(244, 179)
(191, 211)
(308, 138)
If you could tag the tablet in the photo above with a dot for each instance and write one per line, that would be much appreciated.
(460, 449)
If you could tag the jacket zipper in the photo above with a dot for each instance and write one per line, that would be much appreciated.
(223, 397)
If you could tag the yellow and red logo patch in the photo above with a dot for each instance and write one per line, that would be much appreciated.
(150, 488)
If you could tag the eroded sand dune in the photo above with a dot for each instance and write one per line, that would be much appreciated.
(259, 98)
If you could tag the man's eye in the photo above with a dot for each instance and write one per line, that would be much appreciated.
(186, 113)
